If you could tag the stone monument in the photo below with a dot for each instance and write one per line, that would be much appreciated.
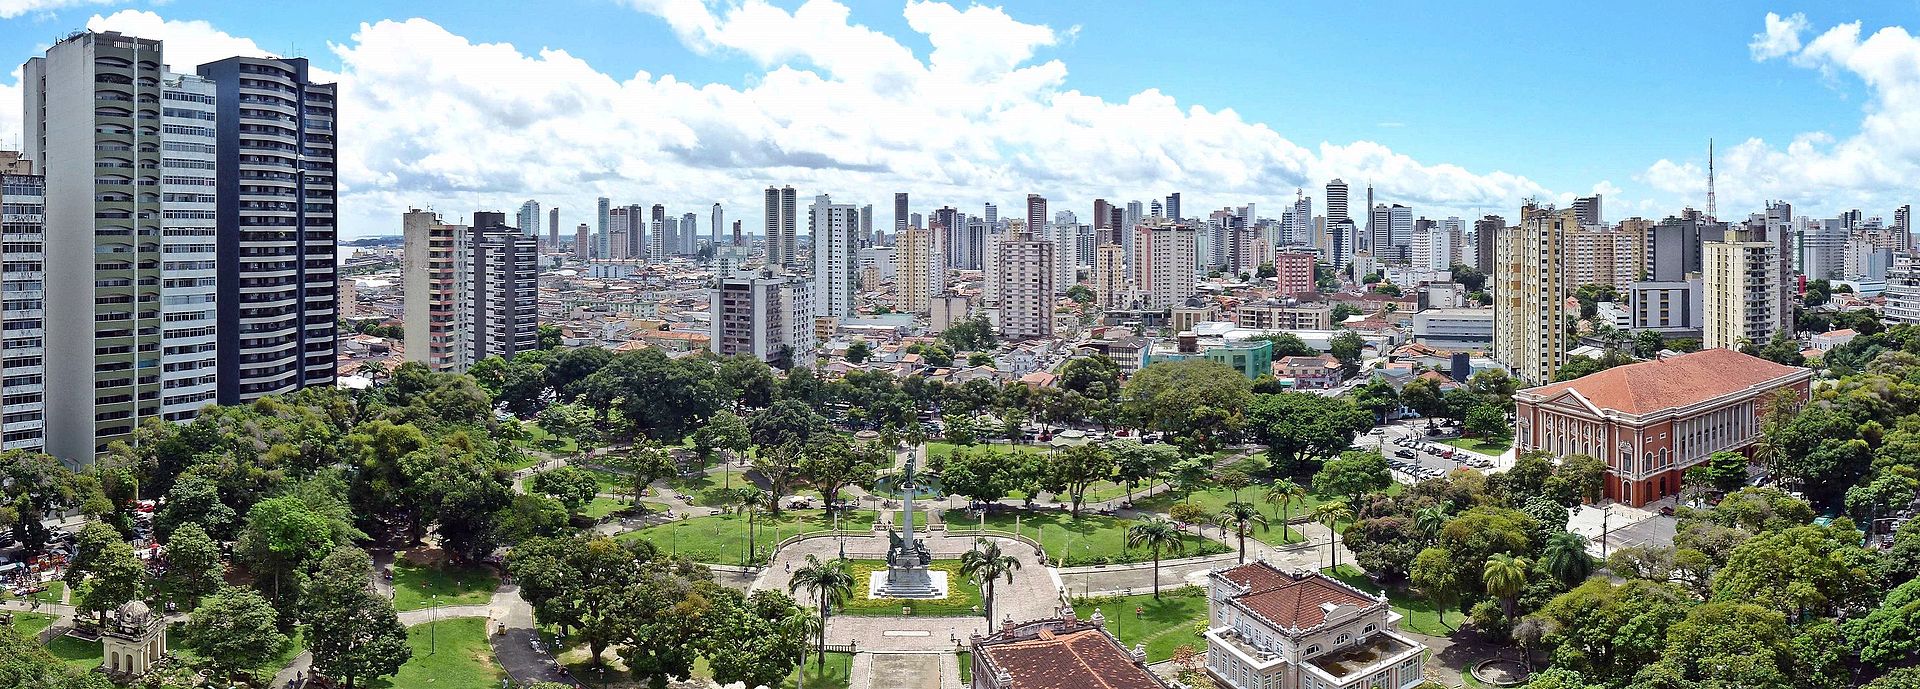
(133, 641)
(907, 575)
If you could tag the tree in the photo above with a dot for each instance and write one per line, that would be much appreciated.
(574, 422)
(1505, 575)
(1432, 574)
(1486, 421)
(1648, 343)
(830, 582)
(1423, 396)
(1802, 570)
(858, 352)
(1887, 636)
(1080, 294)
(1378, 397)
(1157, 535)
(1330, 514)
(1817, 449)
(1135, 463)
(1283, 492)
(1354, 474)
(833, 463)
(1299, 427)
(981, 474)
(1346, 346)
(1724, 644)
(23, 664)
(1288, 344)
(194, 499)
(353, 632)
(1198, 402)
(723, 431)
(643, 464)
(283, 536)
(572, 487)
(466, 492)
(1243, 516)
(112, 577)
(1782, 349)
(235, 630)
(973, 334)
(1093, 376)
(986, 564)
(32, 486)
(1565, 556)
(1076, 469)
(1608, 632)
(578, 584)
(194, 566)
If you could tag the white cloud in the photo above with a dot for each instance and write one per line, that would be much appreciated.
(429, 117)
(14, 8)
(1782, 36)
(1866, 169)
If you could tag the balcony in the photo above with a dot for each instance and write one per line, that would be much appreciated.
(1357, 663)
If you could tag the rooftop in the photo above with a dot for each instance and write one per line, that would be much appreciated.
(1064, 654)
(1292, 600)
(1680, 381)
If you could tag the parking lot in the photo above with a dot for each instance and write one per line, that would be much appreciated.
(1414, 456)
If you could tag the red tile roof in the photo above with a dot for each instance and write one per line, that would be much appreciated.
(1679, 381)
(1084, 659)
(1289, 600)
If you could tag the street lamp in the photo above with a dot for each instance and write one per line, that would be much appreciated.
(433, 630)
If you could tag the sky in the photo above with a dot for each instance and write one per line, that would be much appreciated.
(1459, 108)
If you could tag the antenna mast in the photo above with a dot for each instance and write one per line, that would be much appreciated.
(1711, 214)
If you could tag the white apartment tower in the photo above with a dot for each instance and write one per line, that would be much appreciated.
(189, 285)
(22, 304)
(1740, 282)
(529, 218)
(833, 226)
(763, 315)
(913, 281)
(432, 305)
(1110, 275)
(1027, 286)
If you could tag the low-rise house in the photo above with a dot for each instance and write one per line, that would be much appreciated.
(1062, 653)
(1309, 372)
(1272, 629)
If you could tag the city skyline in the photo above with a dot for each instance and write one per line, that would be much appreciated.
(730, 110)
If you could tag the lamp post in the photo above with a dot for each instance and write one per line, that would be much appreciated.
(433, 629)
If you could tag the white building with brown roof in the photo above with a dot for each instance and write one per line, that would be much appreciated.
(1272, 629)
(1063, 653)
(1652, 420)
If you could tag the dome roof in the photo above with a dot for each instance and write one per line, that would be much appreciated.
(133, 611)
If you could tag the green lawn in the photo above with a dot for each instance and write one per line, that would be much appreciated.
(1163, 625)
(1417, 614)
(415, 588)
(30, 623)
(834, 674)
(538, 437)
(722, 538)
(79, 653)
(1486, 446)
(1090, 539)
(601, 508)
(449, 654)
(963, 595)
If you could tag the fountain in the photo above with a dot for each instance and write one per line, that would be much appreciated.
(907, 575)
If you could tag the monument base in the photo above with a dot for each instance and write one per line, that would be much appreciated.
(917, 583)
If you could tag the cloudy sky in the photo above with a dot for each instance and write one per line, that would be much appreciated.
(1451, 108)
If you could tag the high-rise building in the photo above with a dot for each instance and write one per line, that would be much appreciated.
(1036, 213)
(1110, 276)
(1337, 204)
(1027, 287)
(993, 271)
(1102, 214)
(498, 280)
(1903, 228)
(1740, 287)
(1173, 206)
(553, 229)
(1166, 269)
(1066, 254)
(900, 212)
(1587, 208)
(719, 221)
(765, 315)
(620, 227)
(834, 258)
(913, 281)
(1399, 229)
(1530, 293)
(600, 231)
(1486, 234)
(92, 128)
(190, 279)
(1596, 255)
(690, 234)
(1456, 230)
(1342, 238)
(1673, 246)
(1903, 291)
(23, 196)
(431, 306)
(583, 242)
(948, 225)
(992, 214)
(529, 218)
(782, 224)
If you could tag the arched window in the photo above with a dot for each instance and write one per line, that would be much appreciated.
(1343, 639)
(1312, 650)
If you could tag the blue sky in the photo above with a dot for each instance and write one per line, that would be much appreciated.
(1547, 99)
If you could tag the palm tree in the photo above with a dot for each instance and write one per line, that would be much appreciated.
(751, 499)
(1242, 516)
(1505, 575)
(801, 624)
(1331, 513)
(1565, 555)
(986, 564)
(1283, 492)
(1159, 535)
(830, 582)
(1429, 520)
